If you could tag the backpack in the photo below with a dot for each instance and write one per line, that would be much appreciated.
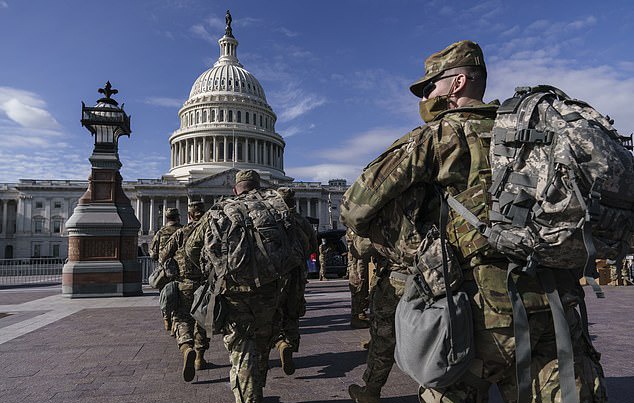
(562, 195)
(248, 241)
(563, 182)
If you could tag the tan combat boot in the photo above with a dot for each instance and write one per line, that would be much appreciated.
(167, 323)
(286, 356)
(200, 362)
(189, 356)
(361, 394)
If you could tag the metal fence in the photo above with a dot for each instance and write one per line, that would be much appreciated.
(48, 271)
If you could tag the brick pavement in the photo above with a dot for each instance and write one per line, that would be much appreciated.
(114, 349)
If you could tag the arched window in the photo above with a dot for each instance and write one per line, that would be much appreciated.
(197, 117)
(230, 116)
(246, 117)
(205, 116)
(213, 115)
(260, 120)
(221, 118)
(38, 224)
(239, 117)
(255, 119)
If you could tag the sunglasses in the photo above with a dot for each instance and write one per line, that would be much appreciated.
(427, 89)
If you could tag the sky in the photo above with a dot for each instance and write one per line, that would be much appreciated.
(336, 73)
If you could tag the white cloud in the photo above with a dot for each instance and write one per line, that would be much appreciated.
(215, 22)
(26, 109)
(202, 32)
(293, 102)
(137, 166)
(164, 101)
(43, 165)
(324, 172)
(296, 129)
(287, 32)
(363, 147)
(4, 4)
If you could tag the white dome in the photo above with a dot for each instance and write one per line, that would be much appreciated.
(226, 123)
(227, 78)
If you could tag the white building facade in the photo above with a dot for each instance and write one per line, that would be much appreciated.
(226, 125)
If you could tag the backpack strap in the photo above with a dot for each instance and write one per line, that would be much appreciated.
(565, 355)
(521, 331)
(451, 306)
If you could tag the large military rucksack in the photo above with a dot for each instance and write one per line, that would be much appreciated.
(248, 238)
(562, 195)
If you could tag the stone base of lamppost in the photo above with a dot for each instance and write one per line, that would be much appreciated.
(101, 279)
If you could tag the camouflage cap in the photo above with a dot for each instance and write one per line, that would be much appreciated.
(459, 54)
(248, 175)
(288, 195)
(172, 213)
(196, 208)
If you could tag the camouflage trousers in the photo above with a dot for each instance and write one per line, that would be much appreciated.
(358, 282)
(292, 307)
(186, 328)
(495, 360)
(248, 334)
(383, 300)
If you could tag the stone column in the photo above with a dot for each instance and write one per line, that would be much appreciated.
(225, 148)
(5, 207)
(214, 156)
(47, 215)
(319, 209)
(178, 204)
(205, 149)
(164, 210)
(140, 213)
(28, 210)
(152, 216)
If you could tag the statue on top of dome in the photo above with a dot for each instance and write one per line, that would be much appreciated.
(228, 26)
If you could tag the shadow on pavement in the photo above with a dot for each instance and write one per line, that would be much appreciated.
(211, 381)
(620, 388)
(335, 365)
(399, 399)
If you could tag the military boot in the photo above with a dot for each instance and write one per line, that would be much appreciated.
(189, 357)
(360, 321)
(167, 323)
(200, 362)
(362, 394)
(286, 356)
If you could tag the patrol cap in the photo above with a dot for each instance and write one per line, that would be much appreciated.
(459, 54)
(172, 213)
(248, 175)
(196, 208)
(288, 195)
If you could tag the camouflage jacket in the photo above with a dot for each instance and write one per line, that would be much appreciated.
(394, 202)
(161, 237)
(175, 249)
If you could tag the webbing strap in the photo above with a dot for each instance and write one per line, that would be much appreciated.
(451, 307)
(522, 339)
(565, 355)
(590, 267)
(468, 216)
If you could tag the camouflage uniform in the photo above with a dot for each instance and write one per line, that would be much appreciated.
(292, 301)
(249, 330)
(158, 241)
(324, 251)
(394, 203)
(359, 256)
(189, 334)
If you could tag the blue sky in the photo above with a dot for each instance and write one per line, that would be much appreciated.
(335, 73)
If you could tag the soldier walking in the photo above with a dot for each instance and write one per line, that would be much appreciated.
(159, 240)
(191, 337)
(394, 209)
(359, 256)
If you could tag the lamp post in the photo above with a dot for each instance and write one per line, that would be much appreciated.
(103, 230)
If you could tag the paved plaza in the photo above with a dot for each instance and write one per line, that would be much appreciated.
(115, 350)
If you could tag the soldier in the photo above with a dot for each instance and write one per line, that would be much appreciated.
(158, 241)
(359, 255)
(248, 329)
(293, 303)
(325, 251)
(191, 337)
(398, 205)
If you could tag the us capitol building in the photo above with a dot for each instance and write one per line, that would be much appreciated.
(226, 125)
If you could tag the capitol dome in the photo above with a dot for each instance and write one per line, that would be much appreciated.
(226, 123)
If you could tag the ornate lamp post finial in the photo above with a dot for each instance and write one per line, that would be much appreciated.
(108, 91)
